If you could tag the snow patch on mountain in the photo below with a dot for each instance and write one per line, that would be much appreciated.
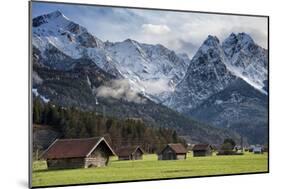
(120, 89)
(36, 93)
(236, 71)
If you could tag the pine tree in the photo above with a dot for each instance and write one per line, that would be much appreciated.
(36, 111)
(175, 136)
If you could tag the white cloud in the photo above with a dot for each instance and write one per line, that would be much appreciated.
(157, 86)
(155, 29)
(36, 78)
(119, 89)
(193, 28)
(123, 89)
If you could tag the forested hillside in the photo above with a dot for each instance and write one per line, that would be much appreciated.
(74, 123)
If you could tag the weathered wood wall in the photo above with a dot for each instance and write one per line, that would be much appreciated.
(137, 155)
(199, 153)
(167, 154)
(98, 158)
(69, 163)
(181, 156)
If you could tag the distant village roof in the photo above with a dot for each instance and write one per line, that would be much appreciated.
(74, 148)
(178, 148)
(126, 151)
(201, 147)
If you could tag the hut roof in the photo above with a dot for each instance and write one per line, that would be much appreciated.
(126, 151)
(178, 148)
(74, 148)
(201, 147)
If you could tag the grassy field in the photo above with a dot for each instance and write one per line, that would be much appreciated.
(151, 168)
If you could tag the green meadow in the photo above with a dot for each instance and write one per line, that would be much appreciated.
(151, 168)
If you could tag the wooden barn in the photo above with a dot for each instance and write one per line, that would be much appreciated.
(130, 153)
(202, 150)
(78, 153)
(173, 152)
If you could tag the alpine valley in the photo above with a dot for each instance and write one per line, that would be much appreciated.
(221, 92)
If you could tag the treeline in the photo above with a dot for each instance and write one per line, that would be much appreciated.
(74, 123)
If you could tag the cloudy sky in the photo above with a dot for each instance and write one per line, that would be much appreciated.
(179, 31)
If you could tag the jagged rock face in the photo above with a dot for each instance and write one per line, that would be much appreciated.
(44, 18)
(247, 59)
(87, 40)
(56, 59)
(240, 107)
(206, 75)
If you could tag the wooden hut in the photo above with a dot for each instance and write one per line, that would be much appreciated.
(130, 153)
(257, 149)
(251, 148)
(173, 152)
(78, 153)
(202, 150)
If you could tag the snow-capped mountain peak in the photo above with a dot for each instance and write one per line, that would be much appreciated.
(235, 43)
(210, 50)
(206, 75)
(246, 59)
(55, 16)
(211, 41)
(244, 38)
(56, 31)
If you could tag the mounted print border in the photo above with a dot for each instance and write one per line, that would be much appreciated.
(126, 94)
